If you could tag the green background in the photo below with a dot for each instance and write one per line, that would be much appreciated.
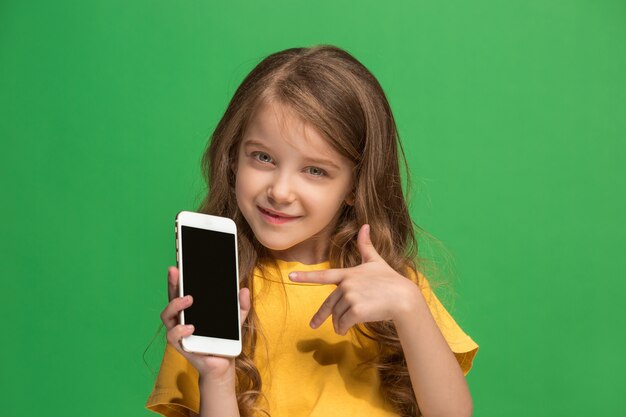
(512, 114)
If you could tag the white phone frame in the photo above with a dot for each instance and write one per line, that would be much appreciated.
(202, 344)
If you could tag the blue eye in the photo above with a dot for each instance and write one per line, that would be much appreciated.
(262, 157)
(316, 172)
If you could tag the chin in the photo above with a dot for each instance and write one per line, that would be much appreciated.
(276, 246)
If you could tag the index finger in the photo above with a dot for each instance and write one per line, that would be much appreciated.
(323, 276)
(172, 282)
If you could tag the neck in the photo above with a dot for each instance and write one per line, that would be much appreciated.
(310, 252)
(307, 259)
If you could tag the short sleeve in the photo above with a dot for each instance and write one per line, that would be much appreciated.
(462, 345)
(176, 386)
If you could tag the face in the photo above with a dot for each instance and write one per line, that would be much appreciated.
(290, 185)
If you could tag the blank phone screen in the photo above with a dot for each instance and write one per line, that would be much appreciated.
(209, 275)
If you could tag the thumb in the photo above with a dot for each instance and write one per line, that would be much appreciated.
(366, 248)
(244, 304)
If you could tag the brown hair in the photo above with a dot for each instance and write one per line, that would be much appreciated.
(336, 94)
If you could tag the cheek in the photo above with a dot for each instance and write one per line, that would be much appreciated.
(325, 204)
(240, 192)
(244, 197)
(246, 185)
(240, 187)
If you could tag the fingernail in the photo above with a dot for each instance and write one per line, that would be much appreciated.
(313, 324)
(293, 276)
(189, 327)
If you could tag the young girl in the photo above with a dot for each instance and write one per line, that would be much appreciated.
(337, 320)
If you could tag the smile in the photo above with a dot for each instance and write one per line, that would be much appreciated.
(275, 217)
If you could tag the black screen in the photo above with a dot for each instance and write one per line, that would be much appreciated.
(209, 275)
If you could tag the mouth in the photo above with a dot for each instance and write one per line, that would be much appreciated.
(276, 217)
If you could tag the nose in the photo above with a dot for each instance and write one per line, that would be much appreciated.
(280, 190)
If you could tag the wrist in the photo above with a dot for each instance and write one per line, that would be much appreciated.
(409, 306)
(223, 378)
(218, 396)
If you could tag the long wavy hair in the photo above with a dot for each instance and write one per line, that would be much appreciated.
(333, 92)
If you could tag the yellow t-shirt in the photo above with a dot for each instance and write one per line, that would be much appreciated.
(304, 372)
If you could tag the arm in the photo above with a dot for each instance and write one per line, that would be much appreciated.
(438, 382)
(217, 396)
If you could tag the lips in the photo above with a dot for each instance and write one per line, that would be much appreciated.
(276, 217)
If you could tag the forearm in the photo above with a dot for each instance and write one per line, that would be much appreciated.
(218, 397)
(438, 382)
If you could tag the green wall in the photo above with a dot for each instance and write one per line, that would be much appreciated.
(513, 118)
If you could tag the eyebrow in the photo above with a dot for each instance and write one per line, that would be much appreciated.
(316, 161)
(320, 161)
(250, 142)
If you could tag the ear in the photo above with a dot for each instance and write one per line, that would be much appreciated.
(350, 198)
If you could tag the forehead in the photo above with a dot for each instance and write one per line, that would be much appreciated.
(274, 124)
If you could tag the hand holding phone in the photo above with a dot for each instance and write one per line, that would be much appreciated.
(214, 365)
(207, 286)
(206, 255)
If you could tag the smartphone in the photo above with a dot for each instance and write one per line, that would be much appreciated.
(206, 256)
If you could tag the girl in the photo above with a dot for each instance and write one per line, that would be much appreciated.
(337, 320)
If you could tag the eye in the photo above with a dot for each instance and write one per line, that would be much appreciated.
(262, 157)
(316, 172)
